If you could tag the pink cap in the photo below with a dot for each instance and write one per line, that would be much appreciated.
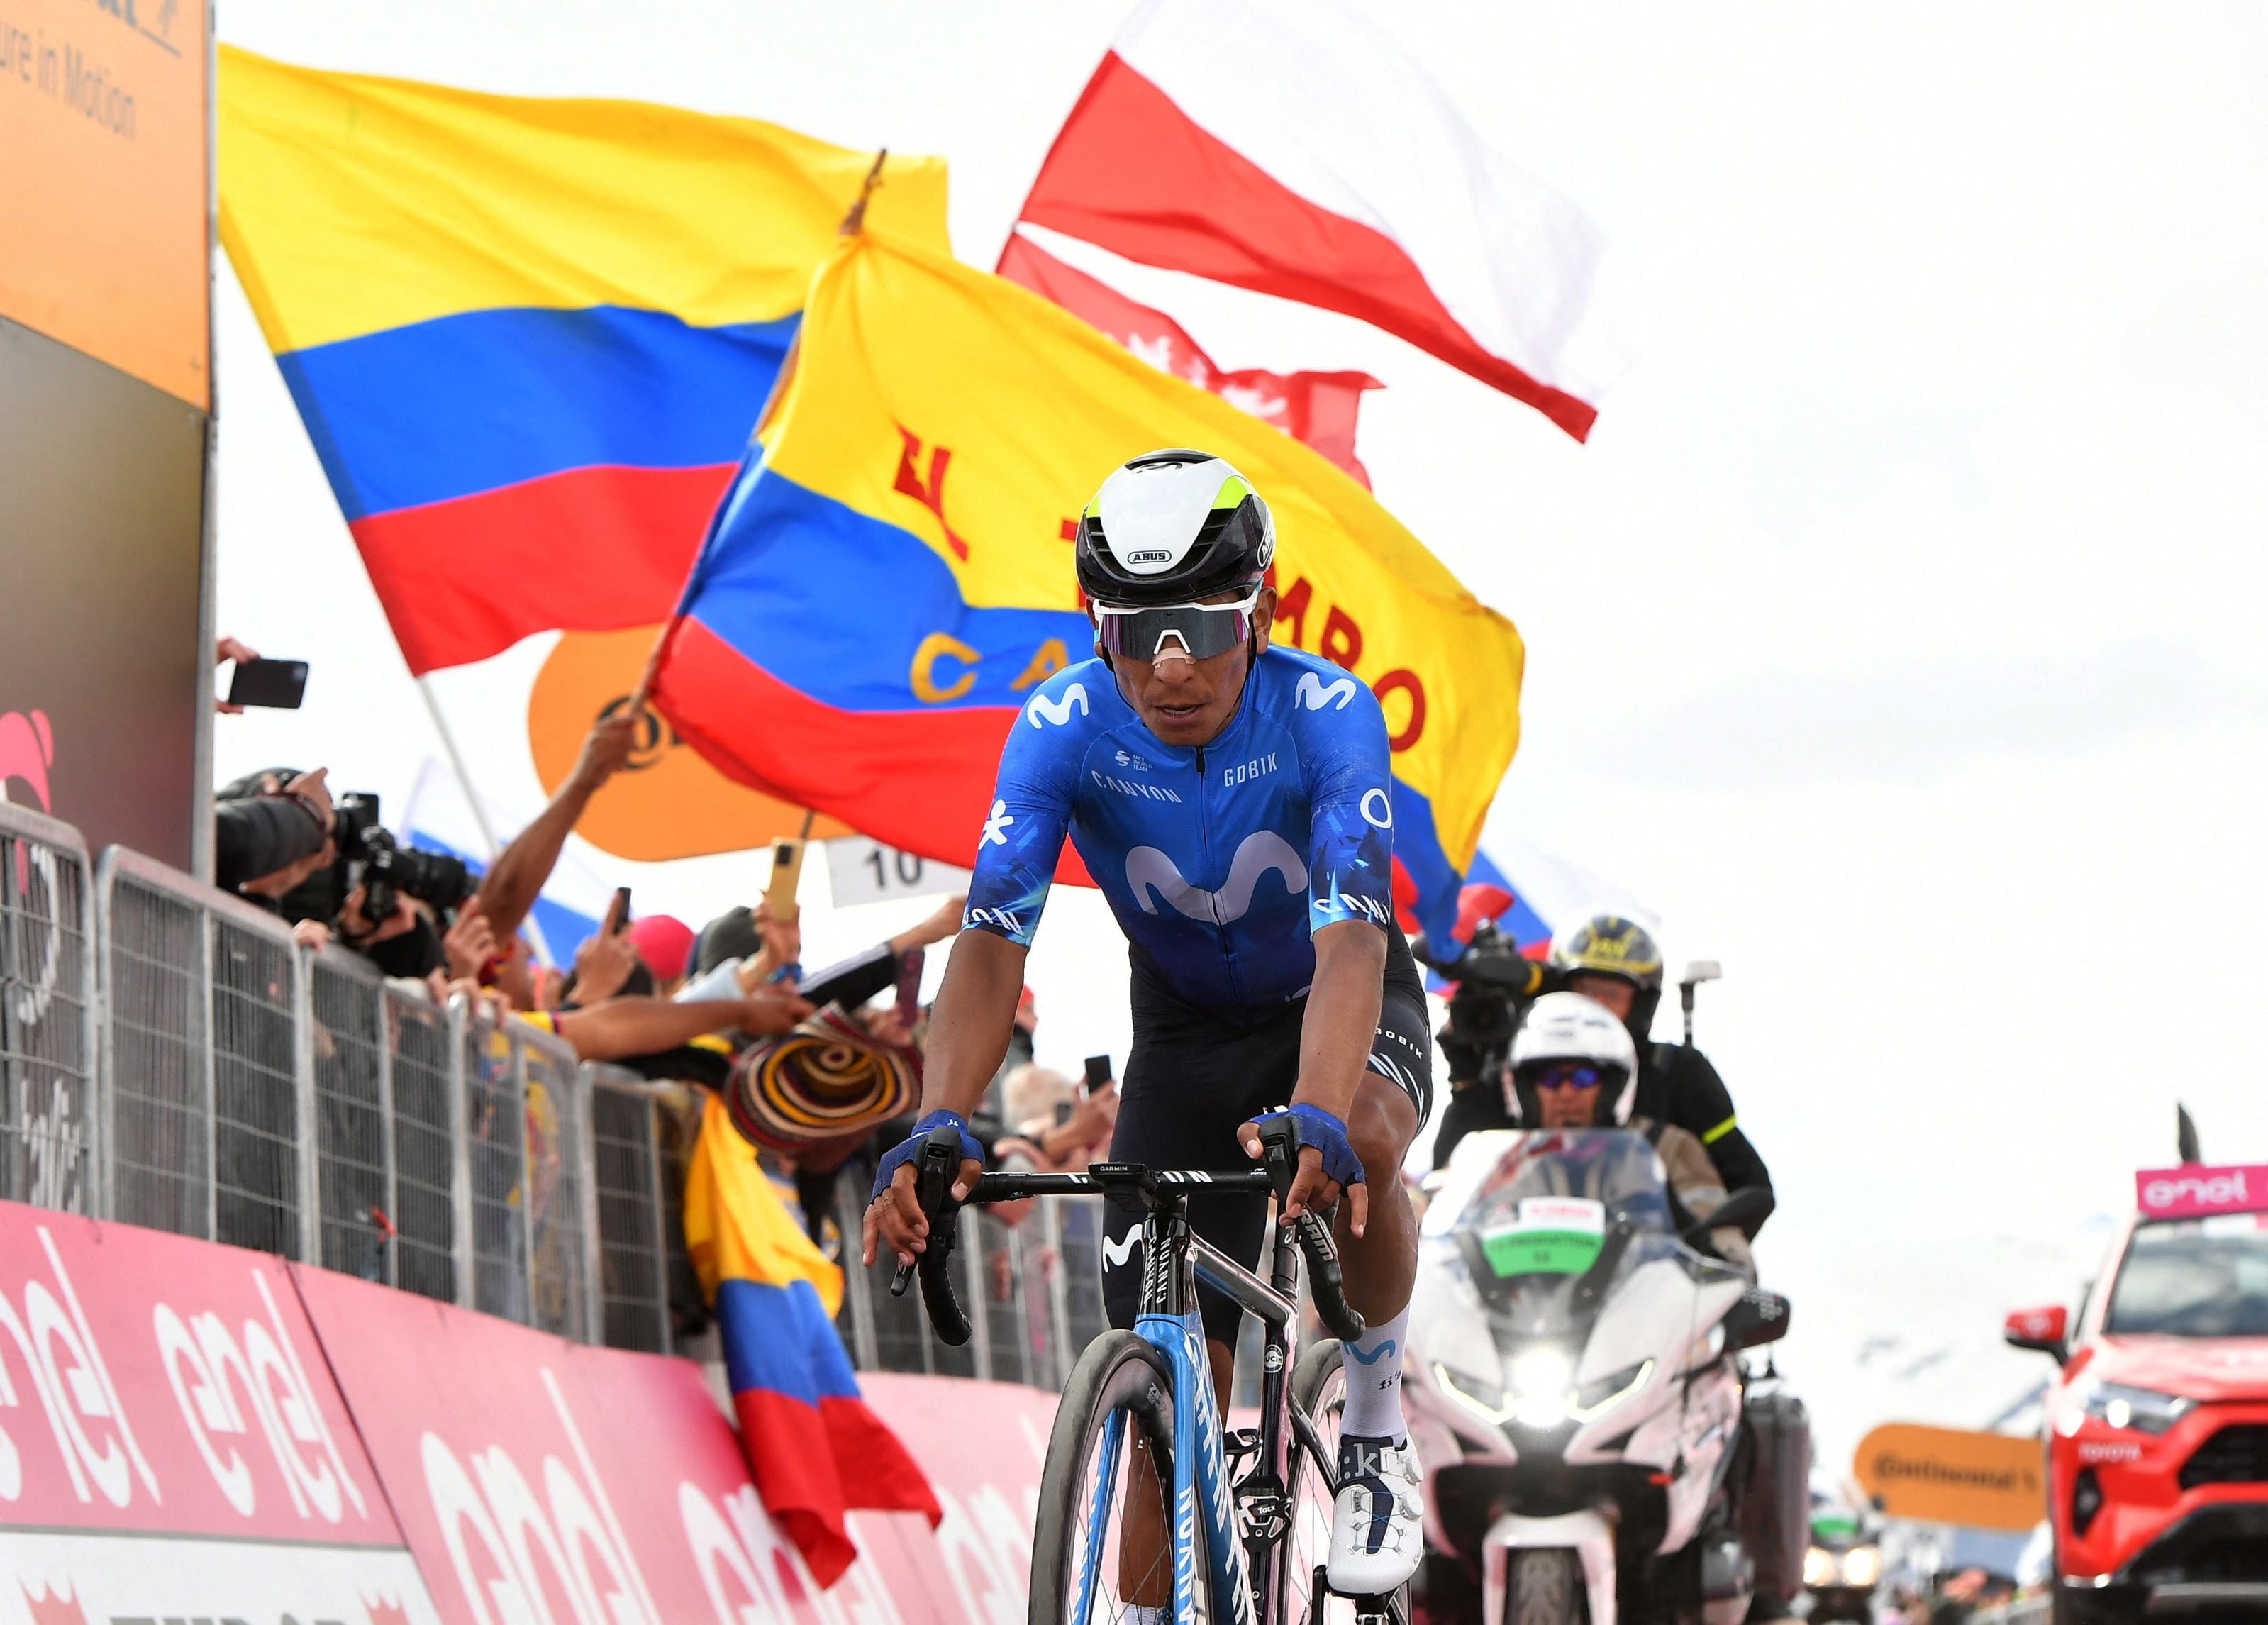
(665, 943)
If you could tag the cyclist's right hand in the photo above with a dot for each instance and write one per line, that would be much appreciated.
(895, 1219)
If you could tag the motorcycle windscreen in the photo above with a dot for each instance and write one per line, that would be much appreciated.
(1561, 1214)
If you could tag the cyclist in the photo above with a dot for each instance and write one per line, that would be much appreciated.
(1232, 802)
(1616, 961)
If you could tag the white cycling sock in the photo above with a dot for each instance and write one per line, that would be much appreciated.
(1373, 1382)
(1142, 1613)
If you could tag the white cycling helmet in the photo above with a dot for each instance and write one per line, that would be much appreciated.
(1568, 1027)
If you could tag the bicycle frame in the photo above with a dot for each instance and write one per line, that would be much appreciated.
(1246, 1521)
(1204, 1494)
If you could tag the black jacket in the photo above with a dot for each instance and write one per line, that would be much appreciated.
(1678, 1085)
(260, 835)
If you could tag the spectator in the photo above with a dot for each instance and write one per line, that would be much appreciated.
(1051, 1124)
(226, 650)
(271, 831)
(849, 983)
(1051, 1128)
(606, 963)
(636, 1025)
(514, 880)
(760, 947)
(665, 946)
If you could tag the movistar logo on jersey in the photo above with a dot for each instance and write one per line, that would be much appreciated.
(1043, 710)
(1152, 875)
(1127, 787)
(1311, 693)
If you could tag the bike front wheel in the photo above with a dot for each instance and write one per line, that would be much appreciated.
(1104, 1541)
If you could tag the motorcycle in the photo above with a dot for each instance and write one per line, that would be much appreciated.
(1574, 1391)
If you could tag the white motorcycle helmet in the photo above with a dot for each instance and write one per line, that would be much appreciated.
(1568, 1027)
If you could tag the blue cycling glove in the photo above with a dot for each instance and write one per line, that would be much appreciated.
(1312, 1125)
(909, 1148)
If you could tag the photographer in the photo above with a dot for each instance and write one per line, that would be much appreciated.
(272, 830)
(1495, 984)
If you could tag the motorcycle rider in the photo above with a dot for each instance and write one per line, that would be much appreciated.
(1573, 1066)
(1615, 961)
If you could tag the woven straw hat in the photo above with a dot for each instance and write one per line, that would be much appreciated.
(823, 1080)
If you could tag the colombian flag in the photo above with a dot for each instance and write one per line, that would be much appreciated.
(891, 573)
(814, 1449)
(527, 338)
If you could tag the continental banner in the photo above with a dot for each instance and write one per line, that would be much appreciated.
(190, 1432)
(103, 120)
(1945, 1476)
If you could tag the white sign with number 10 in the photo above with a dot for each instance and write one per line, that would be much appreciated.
(860, 870)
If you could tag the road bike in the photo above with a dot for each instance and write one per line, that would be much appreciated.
(1145, 1499)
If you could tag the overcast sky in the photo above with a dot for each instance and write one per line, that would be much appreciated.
(1897, 635)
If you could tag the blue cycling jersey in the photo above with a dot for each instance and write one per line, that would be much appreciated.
(1220, 862)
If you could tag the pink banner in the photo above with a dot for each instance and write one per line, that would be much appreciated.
(536, 1478)
(2196, 1191)
(171, 1443)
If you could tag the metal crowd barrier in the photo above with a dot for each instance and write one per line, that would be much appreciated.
(301, 1103)
(1032, 1290)
(47, 1031)
(170, 1057)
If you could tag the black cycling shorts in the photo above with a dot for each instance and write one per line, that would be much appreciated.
(1192, 1081)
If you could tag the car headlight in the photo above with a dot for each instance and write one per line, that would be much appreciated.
(1596, 1398)
(1543, 1387)
(1819, 1567)
(1862, 1565)
(2123, 1406)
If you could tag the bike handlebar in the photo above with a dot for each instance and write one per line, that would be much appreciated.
(1279, 1149)
(939, 1164)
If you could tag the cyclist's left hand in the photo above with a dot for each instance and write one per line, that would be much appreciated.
(1311, 1187)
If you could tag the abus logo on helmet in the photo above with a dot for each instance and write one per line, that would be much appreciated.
(1150, 556)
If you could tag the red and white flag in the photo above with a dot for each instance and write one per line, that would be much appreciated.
(1318, 407)
(1291, 147)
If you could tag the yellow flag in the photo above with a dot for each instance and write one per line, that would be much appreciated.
(736, 1226)
(881, 589)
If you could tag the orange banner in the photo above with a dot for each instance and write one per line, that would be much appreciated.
(1942, 1475)
(103, 120)
(671, 803)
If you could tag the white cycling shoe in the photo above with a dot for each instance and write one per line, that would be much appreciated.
(1377, 1524)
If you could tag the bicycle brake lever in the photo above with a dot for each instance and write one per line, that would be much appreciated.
(934, 1172)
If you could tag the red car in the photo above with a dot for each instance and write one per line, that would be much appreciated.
(2157, 1424)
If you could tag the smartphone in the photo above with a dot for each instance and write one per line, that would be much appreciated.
(1098, 1074)
(279, 684)
(618, 911)
(787, 869)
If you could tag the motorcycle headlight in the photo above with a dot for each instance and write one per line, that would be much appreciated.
(1819, 1567)
(1596, 1398)
(1543, 1387)
(1862, 1565)
(2122, 1406)
(1483, 1398)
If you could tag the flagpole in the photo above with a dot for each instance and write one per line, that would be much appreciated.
(530, 924)
(457, 766)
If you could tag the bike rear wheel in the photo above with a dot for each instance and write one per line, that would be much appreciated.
(1110, 1457)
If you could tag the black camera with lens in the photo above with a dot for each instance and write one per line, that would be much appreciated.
(371, 858)
(1495, 984)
